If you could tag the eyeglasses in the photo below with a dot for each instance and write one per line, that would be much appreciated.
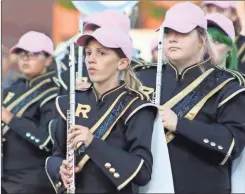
(29, 55)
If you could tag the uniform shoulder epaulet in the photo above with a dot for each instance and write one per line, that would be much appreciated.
(140, 94)
(237, 75)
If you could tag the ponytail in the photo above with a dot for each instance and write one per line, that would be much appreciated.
(129, 75)
(131, 79)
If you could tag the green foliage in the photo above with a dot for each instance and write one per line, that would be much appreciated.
(66, 4)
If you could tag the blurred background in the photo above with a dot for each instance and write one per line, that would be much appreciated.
(59, 19)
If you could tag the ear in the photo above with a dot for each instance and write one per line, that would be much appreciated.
(48, 61)
(203, 41)
(123, 64)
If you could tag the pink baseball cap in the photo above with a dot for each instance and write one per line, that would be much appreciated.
(222, 22)
(33, 41)
(184, 17)
(232, 4)
(220, 4)
(110, 38)
(109, 18)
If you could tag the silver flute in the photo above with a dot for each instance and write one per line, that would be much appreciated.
(80, 53)
(157, 96)
(70, 156)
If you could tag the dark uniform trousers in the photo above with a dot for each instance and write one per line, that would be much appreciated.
(28, 140)
(210, 132)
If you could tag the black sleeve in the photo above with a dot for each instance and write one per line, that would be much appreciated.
(221, 141)
(133, 165)
(53, 163)
(35, 131)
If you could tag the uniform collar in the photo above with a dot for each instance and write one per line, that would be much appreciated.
(189, 72)
(39, 78)
(112, 92)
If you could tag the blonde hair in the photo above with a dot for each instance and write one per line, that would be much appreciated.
(131, 79)
(129, 75)
(208, 46)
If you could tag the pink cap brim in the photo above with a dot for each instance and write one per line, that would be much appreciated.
(33, 50)
(82, 41)
(179, 26)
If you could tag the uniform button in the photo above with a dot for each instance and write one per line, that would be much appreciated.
(112, 170)
(116, 175)
(32, 137)
(58, 185)
(28, 134)
(213, 144)
(206, 141)
(2, 124)
(107, 165)
(37, 140)
(220, 147)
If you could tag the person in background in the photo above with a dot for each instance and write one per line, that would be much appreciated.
(222, 32)
(229, 9)
(28, 107)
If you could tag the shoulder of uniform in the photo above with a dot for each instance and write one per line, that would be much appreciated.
(139, 102)
(137, 93)
(239, 77)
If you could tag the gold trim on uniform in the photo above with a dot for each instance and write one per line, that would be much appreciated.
(229, 152)
(137, 109)
(195, 110)
(137, 92)
(13, 104)
(51, 181)
(242, 48)
(173, 101)
(19, 114)
(230, 97)
(49, 130)
(9, 96)
(191, 67)
(112, 91)
(47, 99)
(86, 157)
(132, 176)
(41, 76)
(62, 82)
(58, 108)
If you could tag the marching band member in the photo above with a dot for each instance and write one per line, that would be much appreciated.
(115, 155)
(28, 107)
(222, 32)
(202, 106)
(229, 9)
(91, 23)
